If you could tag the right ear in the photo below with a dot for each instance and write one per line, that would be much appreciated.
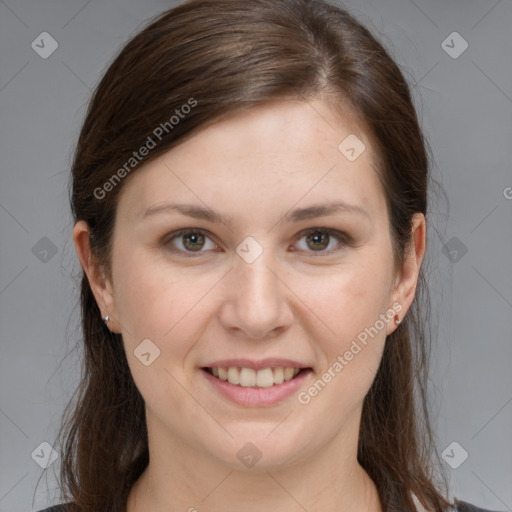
(101, 287)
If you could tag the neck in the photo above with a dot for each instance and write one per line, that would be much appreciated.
(179, 478)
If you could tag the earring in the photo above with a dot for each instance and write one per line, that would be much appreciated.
(106, 319)
(397, 321)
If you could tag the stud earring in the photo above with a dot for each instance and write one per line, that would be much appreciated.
(106, 319)
(397, 321)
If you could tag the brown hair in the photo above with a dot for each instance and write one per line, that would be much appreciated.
(217, 57)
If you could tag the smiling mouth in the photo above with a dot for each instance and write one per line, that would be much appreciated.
(249, 377)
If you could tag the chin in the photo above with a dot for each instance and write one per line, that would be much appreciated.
(263, 448)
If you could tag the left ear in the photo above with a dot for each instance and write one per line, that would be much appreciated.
(407, 279)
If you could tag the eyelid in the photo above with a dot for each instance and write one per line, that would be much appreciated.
(342, 237)
(177, 234)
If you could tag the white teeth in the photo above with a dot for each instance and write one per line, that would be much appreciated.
(288, 373)
(265, 378)
(278, 375)
(248, 377)
(234, 376)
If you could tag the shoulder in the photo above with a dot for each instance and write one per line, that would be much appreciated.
(57, 508)
(463, 506)
(460, 506)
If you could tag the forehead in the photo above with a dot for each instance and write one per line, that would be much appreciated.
(283, 130)
(268, 156)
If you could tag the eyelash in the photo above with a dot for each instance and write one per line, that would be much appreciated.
(342, 238)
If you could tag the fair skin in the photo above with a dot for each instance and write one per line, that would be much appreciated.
(298, 300)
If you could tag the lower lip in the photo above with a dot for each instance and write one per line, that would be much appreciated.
(257, 397)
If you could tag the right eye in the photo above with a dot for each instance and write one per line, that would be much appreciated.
(191, 240)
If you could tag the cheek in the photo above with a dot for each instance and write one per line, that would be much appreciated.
(352, 306)
(156, 303)
(163, 303)
(350, 299)
(148, 300)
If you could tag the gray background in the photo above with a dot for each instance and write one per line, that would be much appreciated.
(465, 105)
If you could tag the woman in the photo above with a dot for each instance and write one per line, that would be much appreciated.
(250, 193)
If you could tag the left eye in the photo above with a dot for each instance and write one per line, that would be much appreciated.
(321, 238)
(193, 240)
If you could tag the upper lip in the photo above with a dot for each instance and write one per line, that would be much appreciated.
(270, 362)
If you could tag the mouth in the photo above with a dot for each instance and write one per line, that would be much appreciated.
(255, 383)
(245, 377)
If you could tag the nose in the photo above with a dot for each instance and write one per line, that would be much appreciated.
(257, 300)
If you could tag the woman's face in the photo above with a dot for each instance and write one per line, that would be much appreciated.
(263, 290)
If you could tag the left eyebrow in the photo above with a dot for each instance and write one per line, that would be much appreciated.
(322, 210)
(296, 215)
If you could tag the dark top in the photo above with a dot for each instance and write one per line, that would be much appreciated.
(462, 506)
